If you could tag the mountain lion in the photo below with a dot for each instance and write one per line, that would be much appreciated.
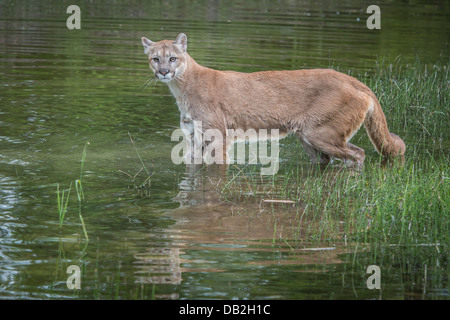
(323, 107)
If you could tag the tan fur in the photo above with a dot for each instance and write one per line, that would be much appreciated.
(323, 107)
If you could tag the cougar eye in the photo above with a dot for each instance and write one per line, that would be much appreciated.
(173, 59)
(156, 59)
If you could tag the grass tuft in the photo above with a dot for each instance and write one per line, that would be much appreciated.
(63, 199)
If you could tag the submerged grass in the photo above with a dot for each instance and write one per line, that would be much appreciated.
(144, 188)
(394, 203)
(63, 199)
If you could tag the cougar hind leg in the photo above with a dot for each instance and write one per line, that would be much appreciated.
(347, 152)
(315, 154)
(358, 153)
(322, 148)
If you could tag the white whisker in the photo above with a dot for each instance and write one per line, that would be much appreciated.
(147, 82)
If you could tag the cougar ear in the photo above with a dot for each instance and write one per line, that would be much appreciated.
(181, 40)
(146, 43)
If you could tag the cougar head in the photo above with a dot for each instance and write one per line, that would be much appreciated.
(167, 58)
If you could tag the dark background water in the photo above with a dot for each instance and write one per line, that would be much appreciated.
(60, 89)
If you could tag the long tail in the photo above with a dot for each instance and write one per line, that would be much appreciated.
(386, 143)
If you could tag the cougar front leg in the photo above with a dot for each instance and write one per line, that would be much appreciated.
(216, 146)
(187, 125)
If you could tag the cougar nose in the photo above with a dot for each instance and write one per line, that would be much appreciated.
(164, 71)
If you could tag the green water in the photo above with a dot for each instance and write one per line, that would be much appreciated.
(173, 238)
